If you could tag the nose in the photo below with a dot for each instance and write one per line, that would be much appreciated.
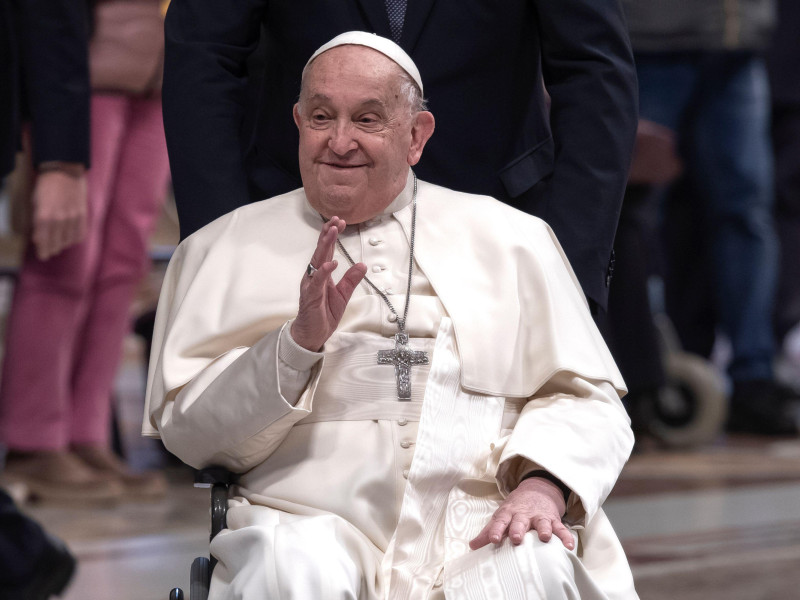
(342, 140)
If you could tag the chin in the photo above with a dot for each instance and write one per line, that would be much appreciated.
(343, 203)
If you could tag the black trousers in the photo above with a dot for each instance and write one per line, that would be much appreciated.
(786, 143)
(22, 543)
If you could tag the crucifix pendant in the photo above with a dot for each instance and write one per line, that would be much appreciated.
(403, 359)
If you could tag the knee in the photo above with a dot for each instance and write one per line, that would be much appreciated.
(284, 561)
(555, 565)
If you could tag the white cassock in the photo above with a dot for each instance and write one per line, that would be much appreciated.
(345, 492)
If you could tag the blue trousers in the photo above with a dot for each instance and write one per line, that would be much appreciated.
(719, 105)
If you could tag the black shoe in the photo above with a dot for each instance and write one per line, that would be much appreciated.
(52, 574)
(762, 407)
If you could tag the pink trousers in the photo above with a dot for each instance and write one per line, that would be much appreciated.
(70, 314)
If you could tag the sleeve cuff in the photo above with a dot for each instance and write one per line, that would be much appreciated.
(293, 355)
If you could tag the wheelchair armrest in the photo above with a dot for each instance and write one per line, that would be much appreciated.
(209, 476)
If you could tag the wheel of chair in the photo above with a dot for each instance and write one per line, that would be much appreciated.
(692, 408)
(199, 579)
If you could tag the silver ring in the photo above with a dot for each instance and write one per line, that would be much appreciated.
(310, 270)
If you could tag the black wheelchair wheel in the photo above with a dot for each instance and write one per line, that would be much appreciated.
(199, 579)
(692, 408)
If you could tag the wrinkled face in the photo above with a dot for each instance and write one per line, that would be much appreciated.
(358, 135)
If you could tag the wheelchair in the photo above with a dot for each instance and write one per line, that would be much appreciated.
(218, 479)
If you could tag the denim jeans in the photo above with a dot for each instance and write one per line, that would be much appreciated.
(718, 103)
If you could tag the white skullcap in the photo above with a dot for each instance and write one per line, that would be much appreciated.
(372, 40)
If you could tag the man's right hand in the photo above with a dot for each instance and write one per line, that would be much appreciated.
(322, 302)
(59, 211)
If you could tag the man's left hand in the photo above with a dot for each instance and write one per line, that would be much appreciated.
(536, 504)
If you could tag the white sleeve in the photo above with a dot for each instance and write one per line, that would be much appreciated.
(577, 430)
(294, 366)
(240, 407)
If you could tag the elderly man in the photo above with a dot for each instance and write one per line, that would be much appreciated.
(399, 433)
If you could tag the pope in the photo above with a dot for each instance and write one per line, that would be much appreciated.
(407, 378)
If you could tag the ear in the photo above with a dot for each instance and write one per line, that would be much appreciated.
(296, 114)
(421, 131)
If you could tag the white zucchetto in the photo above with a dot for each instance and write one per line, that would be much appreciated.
(372, 40)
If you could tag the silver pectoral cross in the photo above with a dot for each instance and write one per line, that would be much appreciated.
(403, 359)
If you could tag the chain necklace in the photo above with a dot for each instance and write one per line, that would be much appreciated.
(401, 356)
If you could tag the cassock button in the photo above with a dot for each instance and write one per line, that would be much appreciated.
(377, 268)
(392, 318)
(405, 473)
(373, 241)
(388, 291)
(405, 444)
(402, 422)
(438, 583)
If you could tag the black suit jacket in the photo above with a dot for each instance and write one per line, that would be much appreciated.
(482, 63)
(44, 75)
(783, 56)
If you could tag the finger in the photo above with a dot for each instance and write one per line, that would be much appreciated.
(543, 528)
(324, 250)
(339, 225)
(41, 239)
(350, 280)
(480, 540)
(497, 527)
(58, 237)
(73, 231)
(493, 531)
(518, 528)
(313, 288)
(81, 226)
(564, 534)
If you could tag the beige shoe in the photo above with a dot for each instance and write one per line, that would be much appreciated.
(137, 486)
(59, 477)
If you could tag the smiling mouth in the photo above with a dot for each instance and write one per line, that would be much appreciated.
(342, 167)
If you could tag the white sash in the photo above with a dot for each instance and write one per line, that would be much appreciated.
(454, 443)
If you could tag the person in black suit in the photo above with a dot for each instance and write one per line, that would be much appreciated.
(43, 74)
(232, 74)
(783, 57)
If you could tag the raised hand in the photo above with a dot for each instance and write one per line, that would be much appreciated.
(535, 504)
(322, 302)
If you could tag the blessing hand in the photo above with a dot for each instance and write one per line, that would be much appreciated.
(322, 302)
(536, 504)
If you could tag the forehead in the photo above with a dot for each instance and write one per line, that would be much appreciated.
(353, 69)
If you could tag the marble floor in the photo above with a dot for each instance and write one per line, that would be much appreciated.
(718, 523)
(712, 523)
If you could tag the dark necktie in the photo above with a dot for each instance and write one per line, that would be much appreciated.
(397, 14)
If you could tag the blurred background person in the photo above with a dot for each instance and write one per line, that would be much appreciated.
(783, 61)
(702, 74)
(71, 305)
(43, 61)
